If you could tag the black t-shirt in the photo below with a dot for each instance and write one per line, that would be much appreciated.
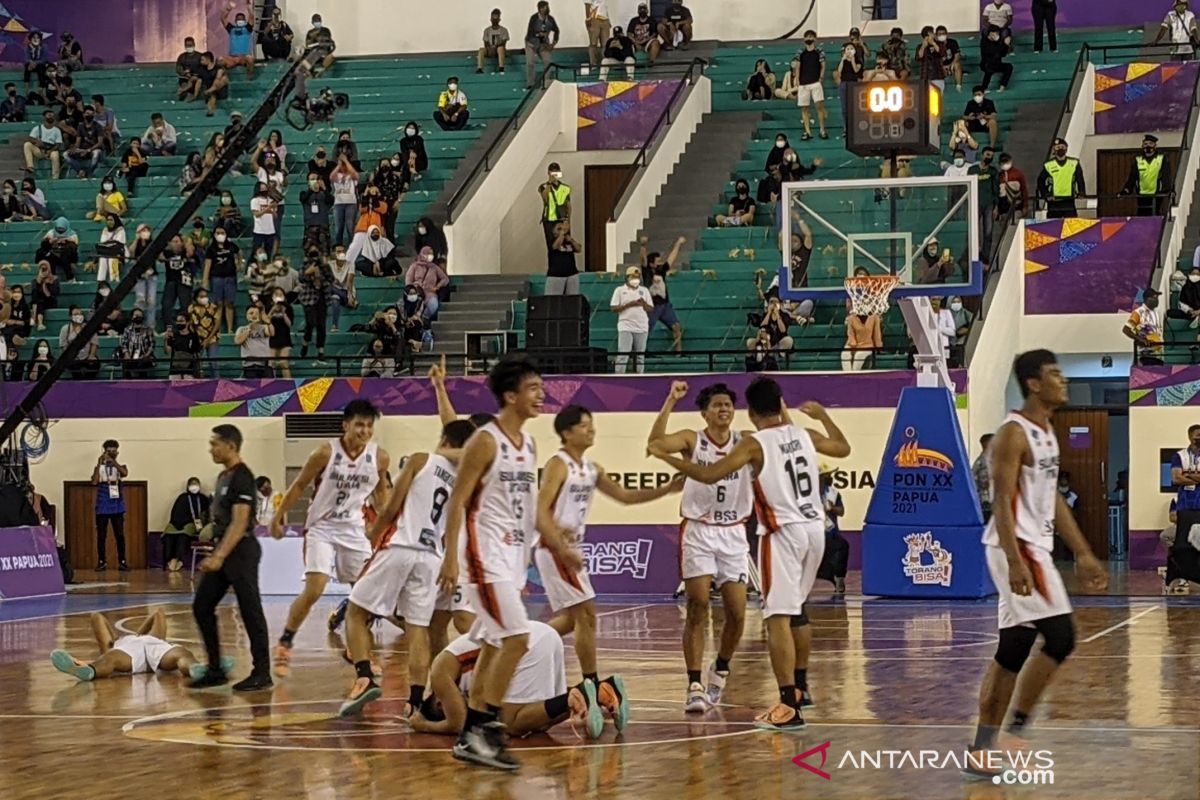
(950, 49)
(561, 263)
(768, 186)
(234, 487)
(224, 257)
(677, 14)
(72, 117)
(742, 204)
(206, 76)
(799, 266)
(811, 62)
(642, 30)
(657, 273)
(619, 47)
(323, 171)
(849, 73)
(176, 267)
(986, 107)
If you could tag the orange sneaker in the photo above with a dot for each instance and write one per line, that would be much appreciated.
(610, 693)
(781, 717)
(585, 709)
(362, 692)
(281, 661)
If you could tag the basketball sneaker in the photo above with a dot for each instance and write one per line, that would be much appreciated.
(585, 709)
(338, 615)
(197, 671)
(716, 683)
(697, 699)
(977, 768)
(611, 696)
(281, 661)
(806, 699)
(781, 717)
(362, 692)
(839, 587)
(64, 662)
(376, 670)
(254, 683)
(487, 745)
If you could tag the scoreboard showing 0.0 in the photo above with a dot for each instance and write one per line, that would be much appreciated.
(887, 116)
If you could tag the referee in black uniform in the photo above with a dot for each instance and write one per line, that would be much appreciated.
(234, 562)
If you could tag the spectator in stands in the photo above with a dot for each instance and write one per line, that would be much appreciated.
(999, 15)
(204, 322)
(961, 139)
(392, 184)
(145, 291)
(1149, 178)
(957, 167)
(186, 66)
(1144, 327)
(992, 52)
(269, 168)
(562, 274)
(275, 145)
(106, 118)
(87, 146)
(276, 37)
(39, 365)
(1060, 182)
(33, 201)
(134, 165)
(265, 211)
(773, 329)
(70, 52)
(222, 263)
(412, 151)
(212, 150)
(347, 147)
(283, 319)
(951, 55)
(618, 49)
(741, 207)
(371, 209)
(1189, 296)
(44, 143)
(495, 44)
(802, 247)
(108, 267)
(633, 304)
(316, 291)
(317, 202)
(17, 327)
(286, 277)
(791, 168)
(935, 267)
(241, 39)
(425, 274)
(182, 347)
(988, 176)
(451, 113)
(44, 293)
(429, 234)
(70, 117)
(344, 180)
(944, 322)
(228, 216)
(1013, 188)
(775, 156)
(13, 107)
(86, 364)
(643, 30)
(37, 62)
(770, 189)
(259, 274)
(177, 277)
(762, 356)
(1044, 14)
(811, 80)
(378, 364)
(541, 37)
(980, 114)
(676, 26)
(344, 293)
(962, 327)
(896, 50)
(931, 58)
(864, 335)
(254, 340)
(60, 246)
(882, 70)
(193, 170)
(211, 81)
(383, 326)
(556, 200)
(189, 514)
(849, 69)
(599, 28)
(136, 349)
(320, 35)
(659, 269)
(10, 203)
(1180, 23)
(761, 83)
(109, 200)
(378, 257)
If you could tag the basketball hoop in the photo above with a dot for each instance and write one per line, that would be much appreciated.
(869, 293)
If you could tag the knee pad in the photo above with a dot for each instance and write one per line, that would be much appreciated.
(1013, 648)
(1058, 634)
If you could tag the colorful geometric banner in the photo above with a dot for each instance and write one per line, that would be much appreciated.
(1141, 97)
(1088, 266)
(1165, 386)
(619, 115)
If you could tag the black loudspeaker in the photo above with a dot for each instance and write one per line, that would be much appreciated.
(570, 360)
(556, 333)
(570, 306)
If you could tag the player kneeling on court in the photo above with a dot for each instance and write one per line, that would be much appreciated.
(783, 459)
(569, 482)
(144, 651)
(537, 697)
(401, 577)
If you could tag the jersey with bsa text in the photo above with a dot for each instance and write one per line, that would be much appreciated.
(1037, 488)
(422, 523)
(502, 514)
(726, 502)
(342, 491)
(787, 491)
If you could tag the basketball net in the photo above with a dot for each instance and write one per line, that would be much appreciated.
(869, 293)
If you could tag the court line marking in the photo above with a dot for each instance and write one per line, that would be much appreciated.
(68, 716)
(1130, 621)
(623, 610)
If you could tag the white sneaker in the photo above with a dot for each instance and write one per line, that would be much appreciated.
(716, 683)
(697, 699)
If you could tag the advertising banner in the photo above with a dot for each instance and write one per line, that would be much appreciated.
(29, 563)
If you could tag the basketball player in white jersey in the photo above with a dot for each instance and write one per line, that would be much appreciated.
(495, 501)
(144, 651)
(712, 536)
(537, 698)
(345, 471)
(401, 577)
(783, 459)
(1027, 509)
(569, 482)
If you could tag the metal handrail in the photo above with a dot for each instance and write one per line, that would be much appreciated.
(664, 119)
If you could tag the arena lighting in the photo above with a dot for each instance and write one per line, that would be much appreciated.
(234, 147)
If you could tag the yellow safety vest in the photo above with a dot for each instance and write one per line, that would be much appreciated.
(1148, 171)
(1062, 177)
(557, 199)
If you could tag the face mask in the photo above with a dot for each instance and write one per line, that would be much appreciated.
(781, 143)
(1060, 152)
(202, 301)
(941, 37)
(421, 230)
(313, 184)
(412, 298)
(220, 237)
(1149, 151)
(987, 158)
(279, 298)
(43, 350)
(978, 98)
(12, 92)
(317, 26)
(556, 175)
(743, 190)
(958, 162)
(410, 131)
(241, 23)
(194, 488)
(189, 50)
(226, 201)
(1006, 166)
(262, 258)
(77, 319)
(810, 42)
(635, 283)
(452, 87)
(339, 256)
(956, 307)
(105, 292)
(278, 263)
(1193, 278)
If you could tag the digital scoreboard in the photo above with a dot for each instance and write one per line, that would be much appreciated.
(883, 117)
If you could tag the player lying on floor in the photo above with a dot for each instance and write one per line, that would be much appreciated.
(537, 699)
(144, 651)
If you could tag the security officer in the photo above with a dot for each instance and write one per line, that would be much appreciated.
(1149, 177)
(1060, 182)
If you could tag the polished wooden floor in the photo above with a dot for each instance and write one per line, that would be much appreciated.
(1122, 719)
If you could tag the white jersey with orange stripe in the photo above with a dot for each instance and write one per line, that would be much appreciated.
(1037, 487)
(501, 522)
(575, 495)
(422, 522)
(726, 502)
(341, 492)
(787, 490)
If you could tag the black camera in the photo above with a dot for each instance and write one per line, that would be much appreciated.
(303, 111)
